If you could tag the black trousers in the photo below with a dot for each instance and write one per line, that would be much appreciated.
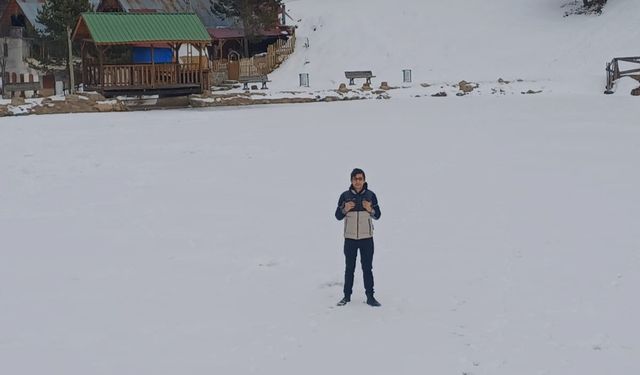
(366, 260)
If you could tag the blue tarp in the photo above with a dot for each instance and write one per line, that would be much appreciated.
(142, 55)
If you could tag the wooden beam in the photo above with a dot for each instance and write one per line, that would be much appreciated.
(245, 43)
(101, 62)
(167, 42)
(83, 65)
(176, 52)
(221, 44)
(200, 66)
(629, 71)
(153, 68)
(629, 59)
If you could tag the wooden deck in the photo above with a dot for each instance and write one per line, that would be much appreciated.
(163, 91)
(149, 79)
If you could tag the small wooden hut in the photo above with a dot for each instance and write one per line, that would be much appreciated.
(146, 72)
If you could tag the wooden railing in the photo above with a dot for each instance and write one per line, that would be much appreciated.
(614, 73)
(264, 63)
(144, 75)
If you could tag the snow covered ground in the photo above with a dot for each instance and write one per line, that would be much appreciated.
(454, 40)
(204, 242)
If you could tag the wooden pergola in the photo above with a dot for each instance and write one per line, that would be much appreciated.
(100, 32)
(222, 36)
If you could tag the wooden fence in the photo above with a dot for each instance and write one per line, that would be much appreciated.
(19, 83)
(264, 63)
(614, 73)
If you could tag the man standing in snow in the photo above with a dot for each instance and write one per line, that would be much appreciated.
(358, 206)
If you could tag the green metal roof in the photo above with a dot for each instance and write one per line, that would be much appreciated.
(124, 28)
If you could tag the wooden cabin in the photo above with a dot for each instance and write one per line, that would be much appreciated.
(227, 34)
(18, 19)
(106, 37)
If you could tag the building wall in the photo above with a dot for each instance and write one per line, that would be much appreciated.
(18, 50)
(5, 18)
(109, 6)
(3, 5)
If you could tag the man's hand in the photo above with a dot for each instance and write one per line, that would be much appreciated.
(348, 206)
(367, 206)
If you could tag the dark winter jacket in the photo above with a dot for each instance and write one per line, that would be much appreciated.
(358, 224)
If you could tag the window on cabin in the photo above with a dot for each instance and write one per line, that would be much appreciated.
(18, 20)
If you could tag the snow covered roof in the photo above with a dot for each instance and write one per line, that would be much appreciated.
(30, 9)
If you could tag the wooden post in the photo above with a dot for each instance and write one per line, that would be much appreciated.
(83, 66)
(100, 61)
(245, 43)
(72, 79)
(200, 66)
(177, 58)
(221, 45)
(153, 69)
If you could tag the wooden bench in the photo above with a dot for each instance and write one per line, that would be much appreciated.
(14, 87)
(614, 73)
(351, 75)
(246, 80)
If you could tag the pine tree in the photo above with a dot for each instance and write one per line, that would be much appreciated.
(59, 18)
(255, 16)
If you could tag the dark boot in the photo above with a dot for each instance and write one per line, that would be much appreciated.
(344, 301)
(371, 301)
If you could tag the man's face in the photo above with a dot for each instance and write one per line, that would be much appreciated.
(358, 181)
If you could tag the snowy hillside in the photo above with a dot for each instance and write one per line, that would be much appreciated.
(452, 40)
